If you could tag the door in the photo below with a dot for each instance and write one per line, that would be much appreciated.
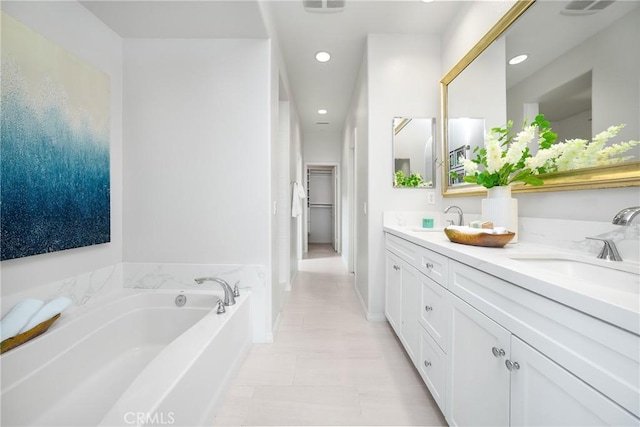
(544, 394)
(409, 316)
(393, 290)
(478, 387)
(321, 207)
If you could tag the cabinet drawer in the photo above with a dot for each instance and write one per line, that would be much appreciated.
(434, 310)
(432, 366)
(605, 357)
(402, 248)
(432, 264)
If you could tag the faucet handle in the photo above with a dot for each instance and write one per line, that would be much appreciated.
(609, 250)
(221, 309)
(236, 291)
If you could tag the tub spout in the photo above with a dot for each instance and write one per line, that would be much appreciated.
(229, 298)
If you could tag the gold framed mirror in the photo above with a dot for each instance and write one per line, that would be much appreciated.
(465, 96)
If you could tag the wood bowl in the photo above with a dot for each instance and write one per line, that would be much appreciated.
(22, 338)
(479, 239)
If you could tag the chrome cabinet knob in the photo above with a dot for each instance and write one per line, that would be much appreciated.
(512, 366)
(428, 265)
(427, 364)
(497, 352)
(395, 267)
(428, 308)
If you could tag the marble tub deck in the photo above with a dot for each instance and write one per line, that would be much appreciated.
(328, 365)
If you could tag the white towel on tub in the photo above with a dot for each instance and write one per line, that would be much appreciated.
(19, 315)
(50, 309)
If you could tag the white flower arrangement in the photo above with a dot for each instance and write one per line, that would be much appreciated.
(506, 158)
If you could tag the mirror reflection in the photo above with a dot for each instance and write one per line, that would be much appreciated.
(413, 152)
(466, 135)
(582, 72)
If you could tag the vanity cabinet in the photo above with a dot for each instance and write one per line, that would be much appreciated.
(393, 290)
(401, 295)
(493, 353)
(496, 379)
(478, 389)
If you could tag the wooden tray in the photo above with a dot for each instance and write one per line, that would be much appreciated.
(22, 338)
(479, 239)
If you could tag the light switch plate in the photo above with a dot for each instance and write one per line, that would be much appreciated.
(431, 198)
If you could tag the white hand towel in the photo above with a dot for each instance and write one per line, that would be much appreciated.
(50, 309)
(296, 202)
(19, 316)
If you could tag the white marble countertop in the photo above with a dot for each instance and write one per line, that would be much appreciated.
(618, 307)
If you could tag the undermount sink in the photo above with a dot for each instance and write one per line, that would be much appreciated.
(623, 277)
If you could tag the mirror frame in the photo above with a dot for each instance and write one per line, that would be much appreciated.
(621, 175)
(404, 120)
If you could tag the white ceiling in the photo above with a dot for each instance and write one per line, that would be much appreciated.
(301, 34)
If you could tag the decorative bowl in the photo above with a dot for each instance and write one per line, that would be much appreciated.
(479, 239)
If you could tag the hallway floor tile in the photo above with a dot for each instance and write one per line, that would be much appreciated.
(328, 365)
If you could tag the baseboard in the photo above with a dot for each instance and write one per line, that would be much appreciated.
(372, 317)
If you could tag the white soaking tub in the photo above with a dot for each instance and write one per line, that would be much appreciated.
(137, 359)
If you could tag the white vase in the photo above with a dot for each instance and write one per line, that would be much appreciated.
(501, 209)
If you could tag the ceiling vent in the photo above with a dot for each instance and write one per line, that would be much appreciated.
(323, 6)
(322, 123)
(586, 7)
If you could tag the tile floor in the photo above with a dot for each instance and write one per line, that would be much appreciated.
(328, 365)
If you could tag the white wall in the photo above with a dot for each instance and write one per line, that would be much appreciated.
(588, 205)
(355, 189)
(322, 147)
(73, 27)
(197, 127)
(402, 80)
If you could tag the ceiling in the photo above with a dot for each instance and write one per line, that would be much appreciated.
(301, 34)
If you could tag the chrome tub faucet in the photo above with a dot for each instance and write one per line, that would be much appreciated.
(229, 294)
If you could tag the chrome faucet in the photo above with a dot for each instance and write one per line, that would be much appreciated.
(626, 215)
(609, 250)
(460, 214)
(229, 294)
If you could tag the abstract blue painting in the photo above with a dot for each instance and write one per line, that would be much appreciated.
(54, 147)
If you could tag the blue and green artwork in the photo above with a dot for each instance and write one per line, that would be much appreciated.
(54, 147)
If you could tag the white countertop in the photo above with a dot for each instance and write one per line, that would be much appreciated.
(614, 306)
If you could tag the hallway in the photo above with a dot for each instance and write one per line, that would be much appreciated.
(328, 365)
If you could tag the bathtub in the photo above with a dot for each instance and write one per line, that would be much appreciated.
(134, 359)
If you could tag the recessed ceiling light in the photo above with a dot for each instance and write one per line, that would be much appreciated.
(518, 59)
(426, 1)
(323, 56)
(322, 111)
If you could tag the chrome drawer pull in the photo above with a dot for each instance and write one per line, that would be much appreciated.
(427, 364)
(395, 267)
(428, 308)
(498, 352)
(512, 366)
(428, 265)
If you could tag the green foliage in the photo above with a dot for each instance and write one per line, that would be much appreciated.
(413, 180)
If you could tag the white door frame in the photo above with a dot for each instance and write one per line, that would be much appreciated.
(338, 221)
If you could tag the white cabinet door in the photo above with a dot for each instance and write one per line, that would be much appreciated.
(545, 394)
(478, 388)
(409, 315)
(393, 290)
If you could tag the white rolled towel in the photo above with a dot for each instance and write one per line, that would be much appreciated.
(50, 309)
(13, 322)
